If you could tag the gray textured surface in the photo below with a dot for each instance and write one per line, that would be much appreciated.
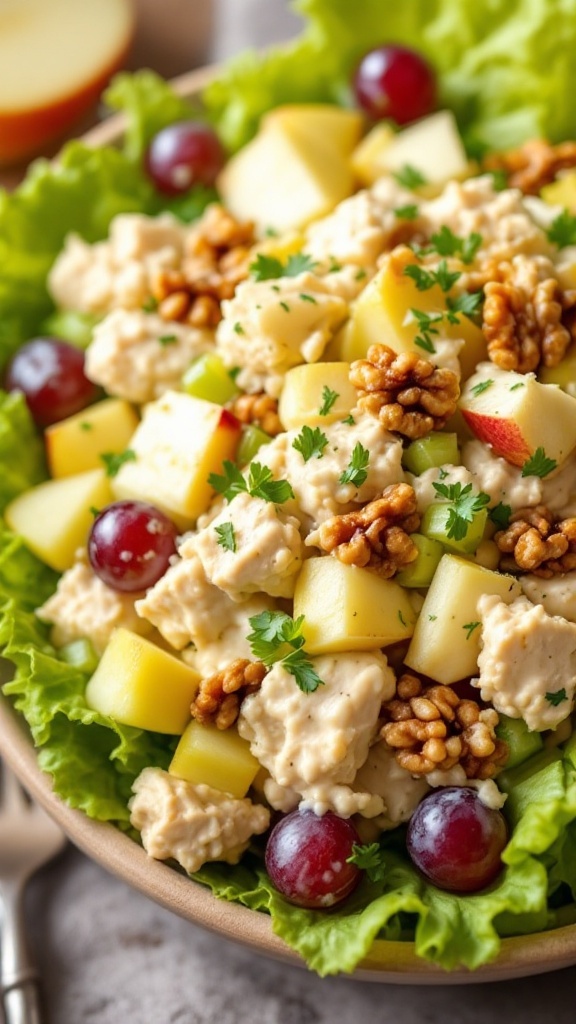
(109, 955)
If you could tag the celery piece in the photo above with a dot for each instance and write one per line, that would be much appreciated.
(208, 378)
(80, 654)
(252, 438)
(522, 742)
(438, 524)
(71, 326)
(434, 450)
(419, 573)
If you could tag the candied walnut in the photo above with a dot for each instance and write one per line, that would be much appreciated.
(409, 395)
(535, 542)
(216, 260)
(430, 726)
(220, 696)
(524, 316)
(260, 409)
(534, 164)
(375, 536)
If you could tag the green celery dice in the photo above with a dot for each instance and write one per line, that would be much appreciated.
(522, 742)
(436, 525)
(419, 573)
(80, 654)
(208, 378)
(72, 326)
(434, 450)
(251, 440)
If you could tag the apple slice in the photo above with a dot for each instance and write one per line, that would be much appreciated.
(303, 395)
(337, 126)
(220, 758)
(56, 57)
(516, 415)
(75, 444)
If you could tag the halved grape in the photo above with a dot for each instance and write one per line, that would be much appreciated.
(395, 82)
(306, 858)
(182, 155)
(130, 545)
(456, 840)
(50, 374)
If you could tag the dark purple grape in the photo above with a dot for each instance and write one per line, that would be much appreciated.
(50, 374)
(184, 154)
(456, 840)
(130, 545)
(306, 858)
(395, 82)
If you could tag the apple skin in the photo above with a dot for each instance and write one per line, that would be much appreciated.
(504, 436)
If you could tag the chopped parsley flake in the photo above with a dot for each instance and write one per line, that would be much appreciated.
(349, 420)
(401, 617)
(226, 536)
(464, 503)
(238, 328)
(259, 484)
(285, 306)
(328, 399)
(425, 279)
(357, 469)
(467, 303)
(515, 387)
(369, 859)
(308, 298)
(150, 305)
(276, 637)
(409, 212)
(409, 176)
(310, 443)
(538, 464)
(168, 339)
(360, 274)
(562, 230)
(113, 461)
(86, 425)
(432, 618)
(470, 627)
(446, 243)
(266, 268)
(499, 180)
(482, 386)
(500, 515)
(556, 697)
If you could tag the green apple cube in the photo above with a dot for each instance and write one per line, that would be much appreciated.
(251, 440)
(430, 452)
(421, 572)
(437, 525)
(522, 742)
(209, 756)
(208, 378)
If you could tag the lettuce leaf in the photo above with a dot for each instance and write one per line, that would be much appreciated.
(21, 450)
(499, 63)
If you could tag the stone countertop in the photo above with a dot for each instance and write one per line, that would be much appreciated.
(107, 954)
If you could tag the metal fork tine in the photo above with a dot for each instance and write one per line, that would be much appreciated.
(13, 796)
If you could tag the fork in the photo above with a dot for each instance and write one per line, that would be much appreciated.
(28, 839)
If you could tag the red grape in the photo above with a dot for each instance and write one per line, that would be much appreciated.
(306, 858)
(184, 154)
(395, 82)
(50, 374)
(456, 840)
(130, 545)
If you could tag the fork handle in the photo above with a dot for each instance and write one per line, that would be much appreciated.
(18, 977)
(22, 1002)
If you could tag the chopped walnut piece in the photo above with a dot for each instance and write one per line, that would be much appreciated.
(534, 164)
(537, 543)
(430, 726)
(375, 536)
(217, 256)
(409, 395)
(524, 317)
(260, 409)
(220, 696)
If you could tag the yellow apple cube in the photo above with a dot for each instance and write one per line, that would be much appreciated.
(302, 395)
(432, 146)
(446, 641)
(561, 192)
(564, 374)
(140, 684)
(54, 518)
(215, 757)
(382, 314)
(285, 177)
(350, 609)
(180, 441)
(368, 159)
(76, 444)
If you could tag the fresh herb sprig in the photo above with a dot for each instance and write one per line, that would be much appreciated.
(277, 638)
(267, 268)
(538, 464)
(357, 470)
(464, 503)
(310, 443)
(259, 483)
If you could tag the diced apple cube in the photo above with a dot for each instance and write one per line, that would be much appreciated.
(302, 395)
(75, 444)
(564, 374)
(337, 126)
(349, 609)
(516, 415)
(215, 757)
(54, 518)
(139, 684)
(180, 441)
(432, 146)
(368, 158)
(446, 640)
(562, 191)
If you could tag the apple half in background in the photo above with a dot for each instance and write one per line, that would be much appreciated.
(56, 56)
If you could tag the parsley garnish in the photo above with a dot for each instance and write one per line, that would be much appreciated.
(150, 305)
(86, 425)
(500, 515)
(349, 420)
(409, 176)
(401, 618)
(357, 469)
(409, 212)
(515, 387)
(328, 399)
(562, 230)
(168, 339)
(425, 279)
(369, 859)
(467, 303)
(113, 461)
(464, 504)
(276, 637)
(499, 180)
(260, 483)
(238, 328)
(483, 385)
(556, 697)
(310, 443)
(470, 627)
(226, 536)
(308, 298)
(285, 307)
(446, 243)
(266, 268)
(538, 464)
(426, 328)
(360, 274)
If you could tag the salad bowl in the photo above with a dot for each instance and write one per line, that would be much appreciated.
(388, 961)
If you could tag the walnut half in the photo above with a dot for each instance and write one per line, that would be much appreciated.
(220, 696)
(535, 542)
